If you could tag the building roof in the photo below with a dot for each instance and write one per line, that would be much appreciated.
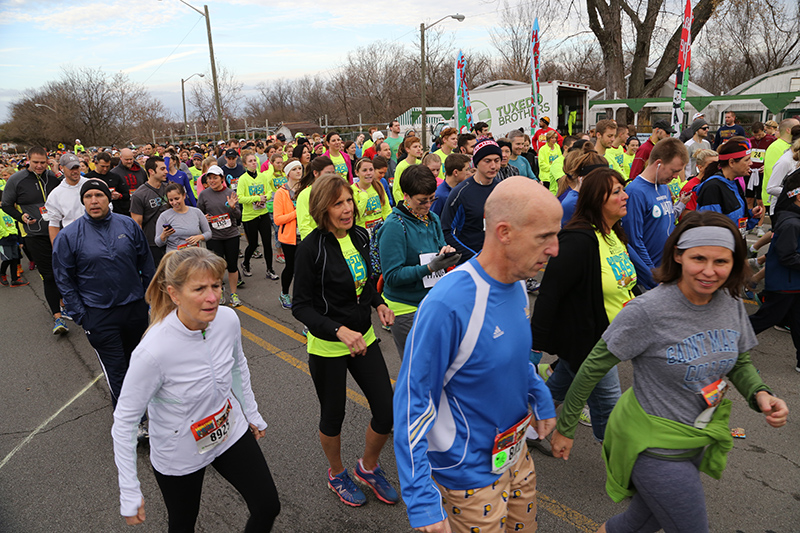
(751, 83)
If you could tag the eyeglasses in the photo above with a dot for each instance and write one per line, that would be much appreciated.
(704, 128)
(426, 201)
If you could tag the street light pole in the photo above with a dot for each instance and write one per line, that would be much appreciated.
(47, 106)
(424, 115)
(213, 63)
(183, 97)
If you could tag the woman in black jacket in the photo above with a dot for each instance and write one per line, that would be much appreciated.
(334, 297)
(583, 289)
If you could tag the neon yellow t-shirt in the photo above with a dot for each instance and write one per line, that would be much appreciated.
(556, 173)
(612, 161)
(675, 187)
(339, 165)
(370, 208)
(305, 222)
(397, 191)
(547, 157)
(618, 154)
(627, 161)
(399, 308)
(617, 273)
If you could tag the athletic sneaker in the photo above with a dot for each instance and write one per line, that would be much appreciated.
(280, 258)
(239, 283)
(544, 370)
(246, 270)
(797, 368)
(532, 285)
(20, 270)
(19, 282)
(346, 490)
(585, 417)
(305, 331)
(271, 274)
(753, 264)
(257, 255)
(60, 327)
(142, 434)
(377, 482)
(784, 329)
(286, 301)
(4, 280)
(65, 314)
(235, 301)
(31, 265)
(760, 232)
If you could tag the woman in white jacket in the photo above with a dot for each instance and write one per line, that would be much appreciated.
(189, 372)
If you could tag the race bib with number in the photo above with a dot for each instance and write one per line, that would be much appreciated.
(212, 430)
(508, 445)
(221, 221)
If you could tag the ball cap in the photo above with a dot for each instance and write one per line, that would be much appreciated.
(69, 161)
(231, 153)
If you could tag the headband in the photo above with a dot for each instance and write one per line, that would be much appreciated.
(707, 236)
(585, 170)
(735, 155)
(793, 192)
(289, 166)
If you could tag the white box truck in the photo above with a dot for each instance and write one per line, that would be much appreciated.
(506, 105)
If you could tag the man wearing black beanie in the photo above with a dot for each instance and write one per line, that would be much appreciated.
(102, 265)
(462, 216)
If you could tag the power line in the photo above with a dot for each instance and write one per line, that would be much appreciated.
(173, 51)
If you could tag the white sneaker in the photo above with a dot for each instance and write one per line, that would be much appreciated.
(760, 232)
(585, 417)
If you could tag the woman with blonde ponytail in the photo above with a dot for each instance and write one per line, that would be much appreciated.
(191, 376)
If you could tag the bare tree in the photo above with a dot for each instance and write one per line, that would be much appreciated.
(201, 97)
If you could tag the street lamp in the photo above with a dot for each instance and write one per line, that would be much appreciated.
(213, 64)
(422, 28)
(183, 97)
(47, 106)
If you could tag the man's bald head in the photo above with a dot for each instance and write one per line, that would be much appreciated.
(786, 125)
(522, 224)
(519, 201)
(126, 157)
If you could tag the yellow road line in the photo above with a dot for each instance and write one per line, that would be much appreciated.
(570, 516)
(271, 323)
(554, 507)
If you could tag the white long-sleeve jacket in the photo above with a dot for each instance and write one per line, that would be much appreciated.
(181, 377)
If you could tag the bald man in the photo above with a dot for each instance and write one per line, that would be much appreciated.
(132, 174)
(461, 403)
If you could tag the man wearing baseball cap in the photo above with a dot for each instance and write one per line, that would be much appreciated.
(462, 217)
(103, 266)
(661, 130)
(64, 204)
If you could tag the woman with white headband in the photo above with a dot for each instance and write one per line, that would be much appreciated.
(721, 188)
(688, 340)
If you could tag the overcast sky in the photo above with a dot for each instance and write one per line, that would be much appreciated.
(158, 42)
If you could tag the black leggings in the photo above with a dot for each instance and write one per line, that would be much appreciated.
(14, 263)
(41, 250)
(244, 466)
(263, 225)
(330, 380)
(228, 249)
(288, 270)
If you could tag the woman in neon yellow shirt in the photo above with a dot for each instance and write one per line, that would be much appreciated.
(548, 153)
(334, 298)
(340, 159)
(319, 165)
(373, 207)
(413, 148)
(255, 191)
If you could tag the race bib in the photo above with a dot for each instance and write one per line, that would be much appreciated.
(508, 445)
(431, 279)
(221, 221)
(743, 227)
(212, 430)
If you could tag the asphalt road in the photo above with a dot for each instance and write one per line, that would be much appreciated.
(57, 471)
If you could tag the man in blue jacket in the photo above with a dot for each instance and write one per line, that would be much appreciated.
(461, 403)
(102, 266)
(650, 217)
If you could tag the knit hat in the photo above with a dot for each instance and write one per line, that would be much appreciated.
(377, 135)
(697, 124)
(100, 185)
(485, 147)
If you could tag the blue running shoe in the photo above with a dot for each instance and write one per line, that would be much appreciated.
(346, 490)
(60, 327)
(378, 483)
(65, 314)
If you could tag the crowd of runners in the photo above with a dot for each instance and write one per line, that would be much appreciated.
(148, 250)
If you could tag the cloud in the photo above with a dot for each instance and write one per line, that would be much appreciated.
(158, 61)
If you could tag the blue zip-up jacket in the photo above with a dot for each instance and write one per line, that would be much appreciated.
(649, 222)
(101, 263)
(401, 240)
(466, 376)
(462, 217)
(783, 256)
(725, 196)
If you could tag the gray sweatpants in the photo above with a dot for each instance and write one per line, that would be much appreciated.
(669, 496)
(400, 329)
